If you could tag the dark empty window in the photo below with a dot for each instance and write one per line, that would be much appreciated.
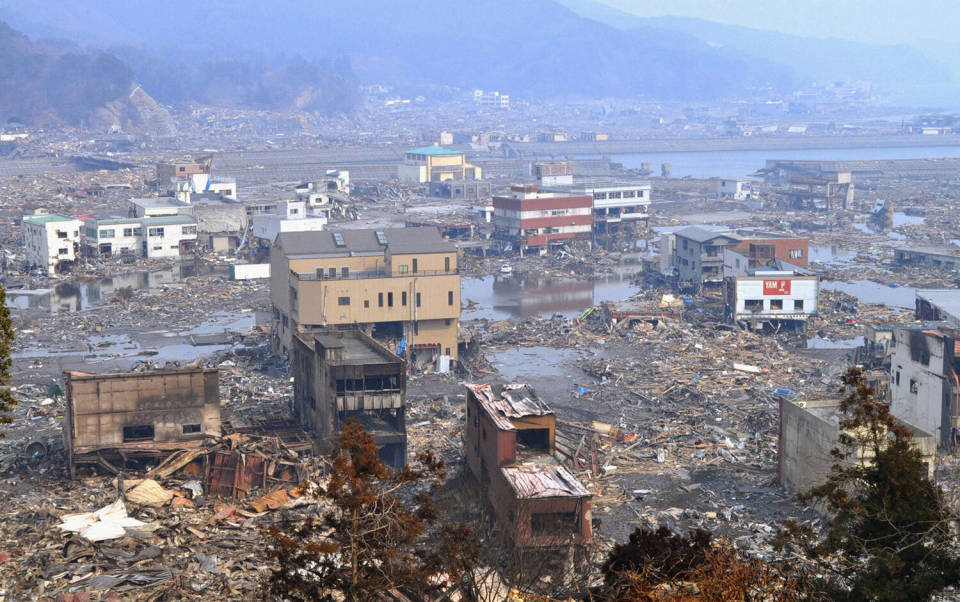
(344, 272)
(798, 305)
(332, 272)
(389, 299)
(418, 299)
(343, 300)
(366, 303)
(380, 299)
(553, 523)
(414, 266)
(446, 264)
(403, 298)
(142, 432)
(534, 438)
(189, 429)
(753, 305)
(449, 297)
(341, 385)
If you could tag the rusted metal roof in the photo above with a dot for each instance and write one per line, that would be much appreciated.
(514, 401)
(540, 481)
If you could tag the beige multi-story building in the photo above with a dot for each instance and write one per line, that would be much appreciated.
(436, 164)
(400, 285)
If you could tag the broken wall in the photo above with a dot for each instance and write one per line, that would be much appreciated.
(140, 408)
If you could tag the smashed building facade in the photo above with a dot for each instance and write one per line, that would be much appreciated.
(925, 380)
(509, 441)
(342, 375)
(115, 417)
(809, 431)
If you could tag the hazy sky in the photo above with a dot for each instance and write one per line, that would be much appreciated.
(874, 21)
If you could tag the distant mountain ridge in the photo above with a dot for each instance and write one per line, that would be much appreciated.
(54, 83)
(255, 53)
(534, 47)
(895, 68)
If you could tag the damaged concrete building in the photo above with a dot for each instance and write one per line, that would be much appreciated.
(509, 444)
(344, 374)
(114, 418)
(809, 430)
(925, 380)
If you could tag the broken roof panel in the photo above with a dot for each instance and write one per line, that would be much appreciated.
(514, 401)
(538, 481)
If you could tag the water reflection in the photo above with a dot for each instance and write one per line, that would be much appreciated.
(77, 295)
(503, 297)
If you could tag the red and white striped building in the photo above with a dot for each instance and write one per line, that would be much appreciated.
(536, 220)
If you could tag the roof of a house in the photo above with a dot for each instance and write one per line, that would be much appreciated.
(160, 201)
(359, 350)
(514, 401)
(539, 481)
(48, 218)
(703, 235)
(113, 221)
(168, 220)
(945, 250)
(436, 151)
(946, 299)
(399, 241)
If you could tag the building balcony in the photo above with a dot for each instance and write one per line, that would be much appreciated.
(368, 274)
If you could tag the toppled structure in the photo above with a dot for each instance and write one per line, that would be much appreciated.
(809, 430)
(509, 442)
(942, 257)
(342, 375)
(113, 418)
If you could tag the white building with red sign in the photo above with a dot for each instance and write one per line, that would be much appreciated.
(775, 298)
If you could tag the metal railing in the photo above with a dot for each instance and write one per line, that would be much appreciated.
(368, 274)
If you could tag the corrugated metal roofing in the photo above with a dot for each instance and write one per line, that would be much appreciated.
(514, 401)
(532, 482)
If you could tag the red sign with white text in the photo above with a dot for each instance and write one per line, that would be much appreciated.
(776, 287)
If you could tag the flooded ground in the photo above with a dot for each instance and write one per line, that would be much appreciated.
(825, 343)
(505, 297)
(868, 291)
(831, 255)
(78, 295)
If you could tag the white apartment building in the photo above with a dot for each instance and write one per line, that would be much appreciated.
(169, 235)
(51, 240)
(766, 296)
(113, 236)
(291, 216)
(162, 236)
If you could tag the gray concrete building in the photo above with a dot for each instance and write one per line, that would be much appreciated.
(345, 374)
(809, 430)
